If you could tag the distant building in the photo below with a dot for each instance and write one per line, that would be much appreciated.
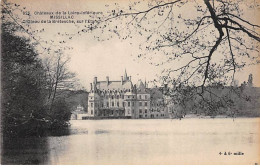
(122, 99)
(78, 113)
(79, 109)
(111, 98)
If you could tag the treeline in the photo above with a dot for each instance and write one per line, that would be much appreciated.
(73, 98)
(217, 99)
(30, 104)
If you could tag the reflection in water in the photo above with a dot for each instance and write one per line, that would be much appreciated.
(154, 141)
(31, 150)
(101, 132)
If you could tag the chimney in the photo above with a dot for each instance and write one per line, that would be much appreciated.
(122, 80)
(91, 87)
(95, 81)
(107, 80)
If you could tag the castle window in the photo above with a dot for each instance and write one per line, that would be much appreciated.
(140, 103)
(117, 97)
(140, 110)
(140, 97)
(129, 104)
(107, 104)
(112, 97)
(145, 104)
(117, 104)
(91, 111)
(145, 96)
(91, 104)
(128, 97)
(145, 111)
(112, 104)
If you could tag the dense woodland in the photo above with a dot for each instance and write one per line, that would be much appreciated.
(31, 104)
(229, 101)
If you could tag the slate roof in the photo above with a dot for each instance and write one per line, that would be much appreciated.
(114, 85)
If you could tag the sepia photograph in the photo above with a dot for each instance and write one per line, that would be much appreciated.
(130, 82)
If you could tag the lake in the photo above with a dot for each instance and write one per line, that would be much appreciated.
(150, 141)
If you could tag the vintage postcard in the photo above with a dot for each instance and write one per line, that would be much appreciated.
(130, 82)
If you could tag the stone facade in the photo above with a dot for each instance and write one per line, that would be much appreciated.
(122, 99)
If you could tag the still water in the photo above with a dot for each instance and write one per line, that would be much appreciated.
(153, 141)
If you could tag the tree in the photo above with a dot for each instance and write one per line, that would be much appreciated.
(58, 76)
(60, 112)
(213, 41)
(22, 80)
(29, 87)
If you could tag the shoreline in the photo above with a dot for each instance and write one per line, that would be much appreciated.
(189, 116)
(217, 116)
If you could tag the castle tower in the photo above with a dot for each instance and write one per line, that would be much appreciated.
(125, 76)
(130, 104)
(93, 99)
